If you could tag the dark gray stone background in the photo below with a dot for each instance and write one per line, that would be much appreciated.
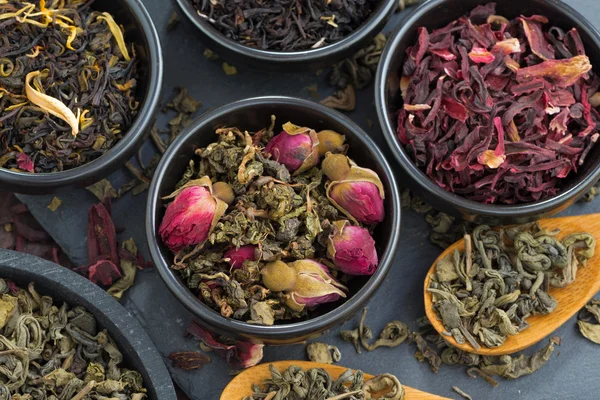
(572, 372)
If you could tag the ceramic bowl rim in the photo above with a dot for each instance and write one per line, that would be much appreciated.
(143, 121)
(519, 210)
(383, 11)
(127, 326)
(275, 332)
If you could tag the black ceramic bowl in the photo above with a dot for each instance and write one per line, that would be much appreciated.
(254, 114)
(66, 286)
(266, 60)
(436, 14)
(139, 30)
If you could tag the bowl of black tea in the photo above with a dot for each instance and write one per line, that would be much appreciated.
(493, 110)
(271, 34)
(273, 219)
(79, 87)
(63, 337)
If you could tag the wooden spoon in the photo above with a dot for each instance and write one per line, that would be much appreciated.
(570, 298)
(241, 385)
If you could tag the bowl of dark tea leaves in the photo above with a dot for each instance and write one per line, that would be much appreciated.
(271, 34)
(79, 89)
(66, 338)
(492, 109)
(273, 218)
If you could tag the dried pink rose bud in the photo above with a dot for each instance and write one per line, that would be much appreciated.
(236, 256)
(306, 283)
(357, 192)
(295, 147)
(352, 249)
(197, 208)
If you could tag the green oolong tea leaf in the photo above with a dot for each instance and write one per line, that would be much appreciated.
(52, 349)
(316, 384)
(512, 368)
(485, 293)
(323, 353)
(393, 334)
(102, 190)
(590, 331)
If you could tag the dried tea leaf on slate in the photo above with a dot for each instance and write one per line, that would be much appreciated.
(210, 55)
(229, 69)
(102, 190)
(426, 353)
(344, 99)
(512, 368)
(590, 331)
(461, 392)
(129, 270)
(322, 353)
(188, 360)
(173, 22)
(54, 204)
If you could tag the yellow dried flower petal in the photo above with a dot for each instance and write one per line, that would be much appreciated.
(50, 104)
(116, 31)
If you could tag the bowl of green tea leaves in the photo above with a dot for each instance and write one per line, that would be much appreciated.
(79, 86)
(273, 217)
(65, 338)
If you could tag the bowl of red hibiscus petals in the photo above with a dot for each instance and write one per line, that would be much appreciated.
(492, 110)
(273, 219)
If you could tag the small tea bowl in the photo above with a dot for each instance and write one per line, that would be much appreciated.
(252, 115)
(139, 30)
(67, 286)
(436, 14)
(294, 61)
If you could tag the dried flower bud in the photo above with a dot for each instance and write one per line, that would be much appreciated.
(190, 218)
(296, 148)
(352, 249)
(307, 283)
(329, 141)
(236, 256)
(357, 192)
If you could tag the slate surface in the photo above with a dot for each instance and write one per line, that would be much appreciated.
(572, 373)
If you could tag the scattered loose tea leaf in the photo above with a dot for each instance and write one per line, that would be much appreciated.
(229, 69)
(103, 190)
(393, 334)
(589, 321)
(342, 99)
(461, 392)
(210, 55)
(188, 360)
(323, 353)
(54, 204)
(173, 22)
